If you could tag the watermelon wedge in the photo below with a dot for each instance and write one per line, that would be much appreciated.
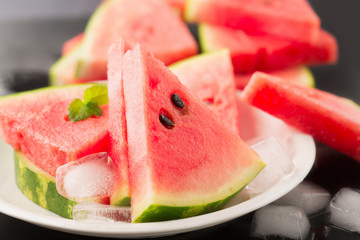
(150, 22)
(62, 72)
(264, 53)
(182, 160)
(300, 75)
(286, 19)
(330, 119)
(118, 149)
(36, 123)
(210, 76)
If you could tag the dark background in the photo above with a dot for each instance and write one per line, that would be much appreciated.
(31, 36)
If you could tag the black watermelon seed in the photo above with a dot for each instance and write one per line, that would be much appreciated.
(176, 99)
(166, 121)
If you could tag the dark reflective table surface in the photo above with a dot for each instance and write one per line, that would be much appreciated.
(34, 45)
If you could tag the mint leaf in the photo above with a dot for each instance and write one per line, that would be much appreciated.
(93, 97)
(93, 108)
(97, 94)
(78, 111)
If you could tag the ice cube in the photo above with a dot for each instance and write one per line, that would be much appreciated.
(344, 209)
(282, 221)
(278, 165)
(89, 178)
(255, 124)
(310, 197)
(99, 213)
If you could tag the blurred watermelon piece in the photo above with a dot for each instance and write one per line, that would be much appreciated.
(151, 23)
(285, 19)
(300, 75)
(264, 53)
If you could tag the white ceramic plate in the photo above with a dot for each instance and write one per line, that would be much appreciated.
(15, 204)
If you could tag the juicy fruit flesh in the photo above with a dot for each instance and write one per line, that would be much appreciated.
(198, 176)
(117, 128)
(35, 123)
(250, 53)
(210, 77)
(151, 23)
(285, 19)
(330, 119)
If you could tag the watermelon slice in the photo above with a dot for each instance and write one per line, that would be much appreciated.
(330, 119)
(63, 71)
(210, 77)
(40, 187)
(287, 19)
(150, 22)
(300, 75)
(117, 126)
(35, 122)
(250, 53)
(72, 43)
(182, 160)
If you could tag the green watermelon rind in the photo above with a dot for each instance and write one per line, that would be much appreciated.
(203, 42)
(40, 187)
(163, 212)
(309, 79)
(61, 66)
(173, 213)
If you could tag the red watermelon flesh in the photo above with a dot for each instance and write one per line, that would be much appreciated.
(251, 53)
(117, 124)
(286, 19)
(210, 77)
(150, 22)
(184, 170)
(71, 44)
(177, 4)
(41, 130)
(299, 75)
(330, 119)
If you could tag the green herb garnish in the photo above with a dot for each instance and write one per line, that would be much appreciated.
(94, 97)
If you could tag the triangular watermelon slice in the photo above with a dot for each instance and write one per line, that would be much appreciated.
(117, 126)
(150, 22)
(330, 119)
(182, 160)
(210, 76)
(36, 123)
(286, 19)
(250, 53)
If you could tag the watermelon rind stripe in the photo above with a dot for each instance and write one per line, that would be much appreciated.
(165, 208)
(40, 187)
(156, 212)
